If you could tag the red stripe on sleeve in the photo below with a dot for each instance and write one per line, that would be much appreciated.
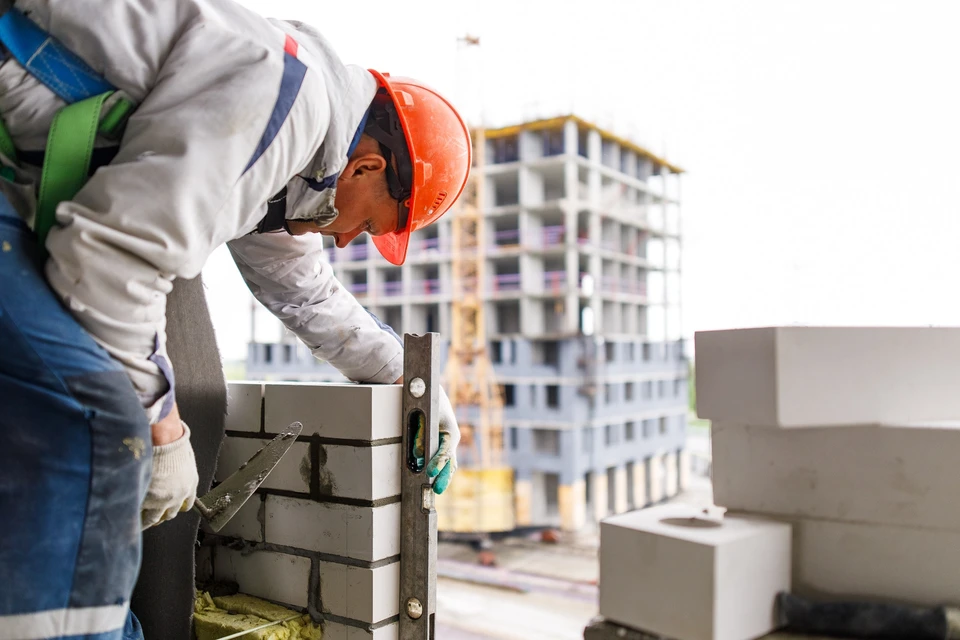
(291, 46)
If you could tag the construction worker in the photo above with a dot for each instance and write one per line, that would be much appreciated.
(211, 125)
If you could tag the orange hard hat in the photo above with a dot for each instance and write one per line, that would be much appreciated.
(432, 146)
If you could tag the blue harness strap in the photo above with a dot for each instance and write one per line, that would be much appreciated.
(62, 71)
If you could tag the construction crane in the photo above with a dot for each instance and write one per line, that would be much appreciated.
(481, 500)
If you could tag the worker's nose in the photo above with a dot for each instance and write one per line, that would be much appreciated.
(343, 239)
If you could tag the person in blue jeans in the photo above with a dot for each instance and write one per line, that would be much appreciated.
(241, 131)
(76, 458)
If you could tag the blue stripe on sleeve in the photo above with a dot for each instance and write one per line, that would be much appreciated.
(293, 72)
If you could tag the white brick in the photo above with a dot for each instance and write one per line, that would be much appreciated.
(292, 473)
(854, 561)
(266, 574)
(243, 406)
(336, 631)
(246, 523)
(874, 474)
(692, 582)
(818, 376)
(347, 411)
(362, 533)
(367, 595)
(365, 473)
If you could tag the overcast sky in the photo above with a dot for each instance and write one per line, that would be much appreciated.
(821, 139)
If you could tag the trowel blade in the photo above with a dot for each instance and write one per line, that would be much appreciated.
(223, 502)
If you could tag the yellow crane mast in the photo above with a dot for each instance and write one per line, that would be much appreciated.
(481, 498)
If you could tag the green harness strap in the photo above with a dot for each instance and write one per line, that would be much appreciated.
(6, 143)
(7, 149)
(66, 163)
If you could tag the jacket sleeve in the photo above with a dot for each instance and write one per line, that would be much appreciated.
(290, 278)
(192, 172)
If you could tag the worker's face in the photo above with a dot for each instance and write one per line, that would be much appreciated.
(363, 201)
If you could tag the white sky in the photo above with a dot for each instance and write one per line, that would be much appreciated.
(821, 139)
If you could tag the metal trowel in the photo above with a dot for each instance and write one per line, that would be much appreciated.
(223, 502)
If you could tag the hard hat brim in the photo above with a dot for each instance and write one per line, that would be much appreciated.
(393, 246)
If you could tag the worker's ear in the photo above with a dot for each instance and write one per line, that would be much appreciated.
(368, 163)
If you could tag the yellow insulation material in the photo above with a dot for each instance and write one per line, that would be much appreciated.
(215, 618)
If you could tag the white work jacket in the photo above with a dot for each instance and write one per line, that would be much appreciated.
(228, 113)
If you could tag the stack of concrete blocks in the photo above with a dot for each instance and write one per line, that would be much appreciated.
(835, 479)
(844, 433)
(675, 572)
(323, 532)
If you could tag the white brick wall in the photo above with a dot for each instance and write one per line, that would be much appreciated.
(335, 631)
(337, 411)
(359, 593)
(364, 533)
(248, 522)
(363, 473)
(292, 473)
(266, 574)
(243, 406)
(323, 533)
(827, 376)
(873, 474)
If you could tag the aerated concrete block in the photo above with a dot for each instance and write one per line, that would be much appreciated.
(363, 473)
(668, 575)
(292, 473)
(362, 533)
(828, 376)
(336, 631)
(883, 562)
(341, 411)
(246, 523)
(900, 475)
(243, 406)
(358, 593)
(266, 574)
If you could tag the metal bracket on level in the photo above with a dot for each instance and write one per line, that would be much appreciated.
(418, 517)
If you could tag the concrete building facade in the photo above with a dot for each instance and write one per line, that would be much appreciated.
(582, 312)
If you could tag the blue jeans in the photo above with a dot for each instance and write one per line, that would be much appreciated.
(75, 460)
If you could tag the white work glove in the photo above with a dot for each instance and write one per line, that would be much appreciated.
(173, 488)
(444, 463)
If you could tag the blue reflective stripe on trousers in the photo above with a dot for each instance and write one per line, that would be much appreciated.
(75, 459)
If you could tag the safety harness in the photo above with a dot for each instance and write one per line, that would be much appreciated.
(67, 160)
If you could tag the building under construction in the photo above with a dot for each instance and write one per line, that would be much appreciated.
(577, 265)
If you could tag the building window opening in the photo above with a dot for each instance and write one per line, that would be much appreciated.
(553, 396)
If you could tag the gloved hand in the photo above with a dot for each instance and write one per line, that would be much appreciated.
(444, 463)
(173, 488)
